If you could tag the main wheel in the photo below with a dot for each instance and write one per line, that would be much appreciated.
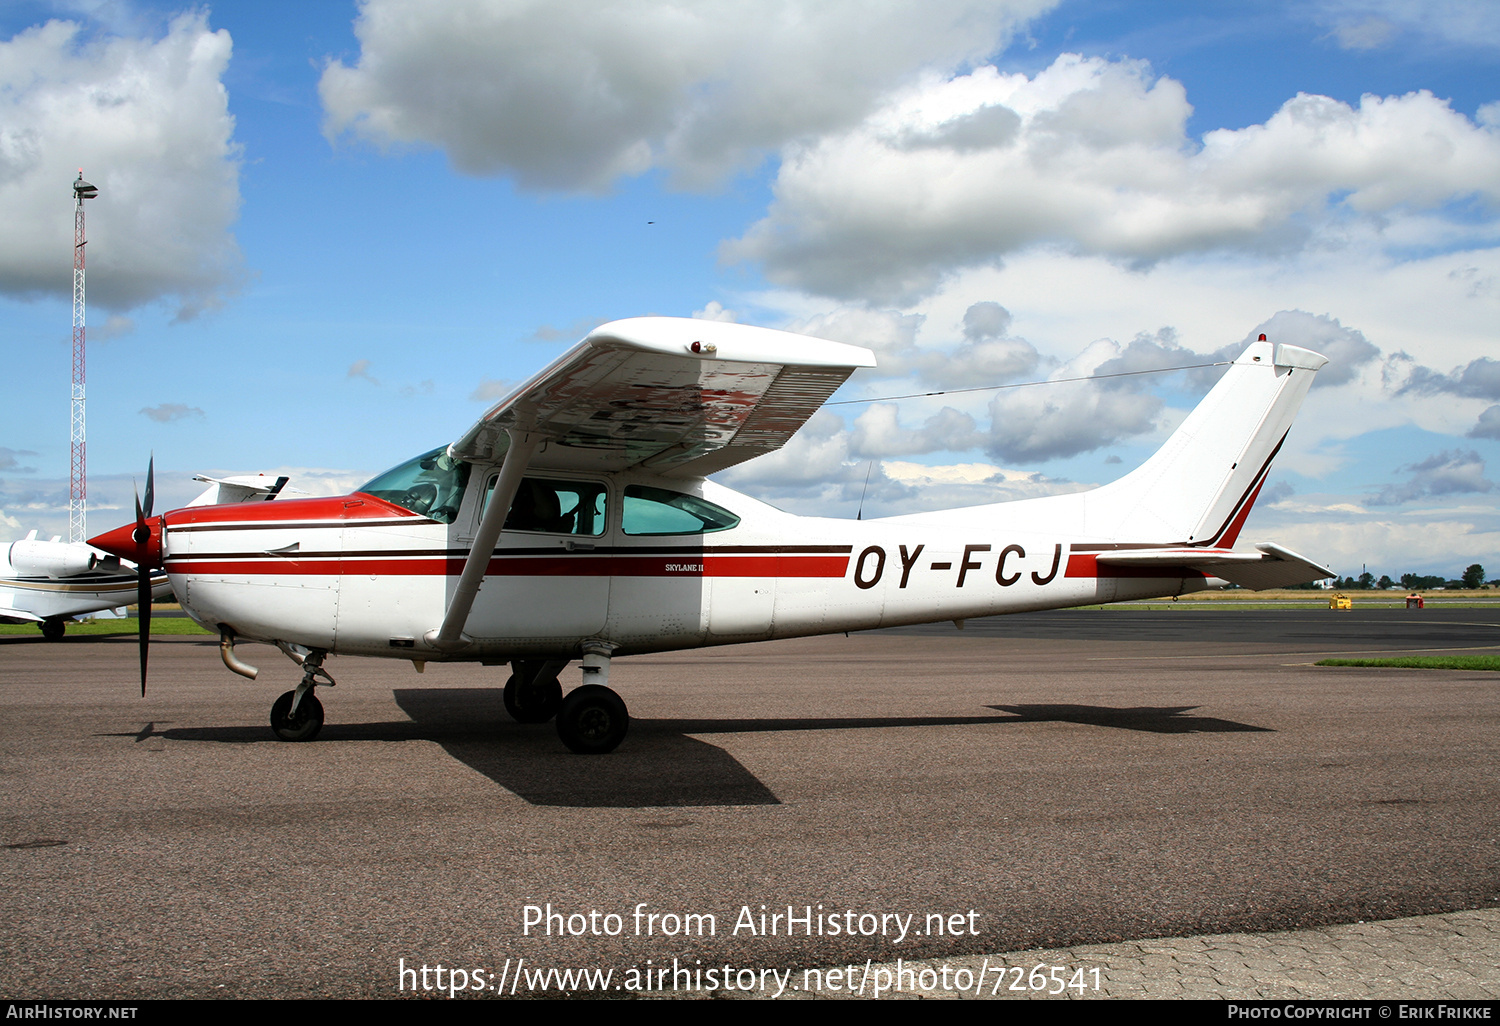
(592, 720)
(54, 629)
(305, 726)
(536, 702)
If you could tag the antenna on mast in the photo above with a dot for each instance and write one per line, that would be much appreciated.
(78, 491)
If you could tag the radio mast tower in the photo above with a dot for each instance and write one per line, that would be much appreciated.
(78, 493)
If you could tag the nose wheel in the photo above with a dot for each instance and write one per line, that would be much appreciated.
(304, 724)
(298, 715)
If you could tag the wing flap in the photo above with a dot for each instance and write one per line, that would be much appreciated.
(1271, 567)
(678, 396)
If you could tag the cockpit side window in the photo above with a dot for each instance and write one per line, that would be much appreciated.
(431, 485)
(554, 507)
(658, 511)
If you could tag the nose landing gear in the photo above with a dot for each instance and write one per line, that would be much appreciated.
(298, 715)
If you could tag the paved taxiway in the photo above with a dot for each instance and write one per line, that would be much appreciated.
(1069, 778)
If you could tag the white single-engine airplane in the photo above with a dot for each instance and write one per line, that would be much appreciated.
(574, 521)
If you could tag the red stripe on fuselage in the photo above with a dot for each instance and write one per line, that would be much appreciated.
(1080, 565)
(688, 565)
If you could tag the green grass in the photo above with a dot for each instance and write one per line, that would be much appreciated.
(160, 627)
(1476, 662)
(1164, 605)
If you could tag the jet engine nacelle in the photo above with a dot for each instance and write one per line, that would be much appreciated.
(32, 558)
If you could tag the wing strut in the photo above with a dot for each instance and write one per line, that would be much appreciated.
(450, 635)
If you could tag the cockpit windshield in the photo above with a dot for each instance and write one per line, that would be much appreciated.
(431, 485)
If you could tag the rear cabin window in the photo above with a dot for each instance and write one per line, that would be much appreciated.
(554, 507)
(658, 511)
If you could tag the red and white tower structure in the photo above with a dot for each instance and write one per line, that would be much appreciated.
(78, 493)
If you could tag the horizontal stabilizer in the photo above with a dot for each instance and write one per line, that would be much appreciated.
(227, 490)
(1271, 567)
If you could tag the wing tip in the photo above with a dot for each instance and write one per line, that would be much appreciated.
(730, 341)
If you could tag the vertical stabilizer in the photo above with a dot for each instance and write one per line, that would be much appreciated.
(1200, 485)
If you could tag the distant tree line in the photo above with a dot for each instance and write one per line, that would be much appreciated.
(1472, 577)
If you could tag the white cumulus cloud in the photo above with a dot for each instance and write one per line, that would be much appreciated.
(573, 94)
(1028, 425)
(1377, 24)
(1096, 160)
(148, 122)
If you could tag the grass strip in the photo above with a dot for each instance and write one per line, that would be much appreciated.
(1474, 662)
(160, 626)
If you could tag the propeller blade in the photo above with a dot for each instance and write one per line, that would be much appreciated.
(142, 534)
(143, 611)
(150, 483)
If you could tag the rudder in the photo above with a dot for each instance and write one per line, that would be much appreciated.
(1198, 487)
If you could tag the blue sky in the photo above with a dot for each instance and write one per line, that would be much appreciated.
(327, 232)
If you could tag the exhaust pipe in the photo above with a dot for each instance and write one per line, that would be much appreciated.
(226, 652)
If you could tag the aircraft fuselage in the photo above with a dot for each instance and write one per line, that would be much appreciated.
(360, 575)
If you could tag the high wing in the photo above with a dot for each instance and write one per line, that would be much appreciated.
(1271, 567)
(676, 396)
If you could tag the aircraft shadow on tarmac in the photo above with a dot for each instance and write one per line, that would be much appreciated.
(661, 764)
(658, 766)
(1164, 720)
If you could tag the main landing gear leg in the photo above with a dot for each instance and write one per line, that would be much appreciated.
(298, 715)
(593, 719)
(532, 694)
